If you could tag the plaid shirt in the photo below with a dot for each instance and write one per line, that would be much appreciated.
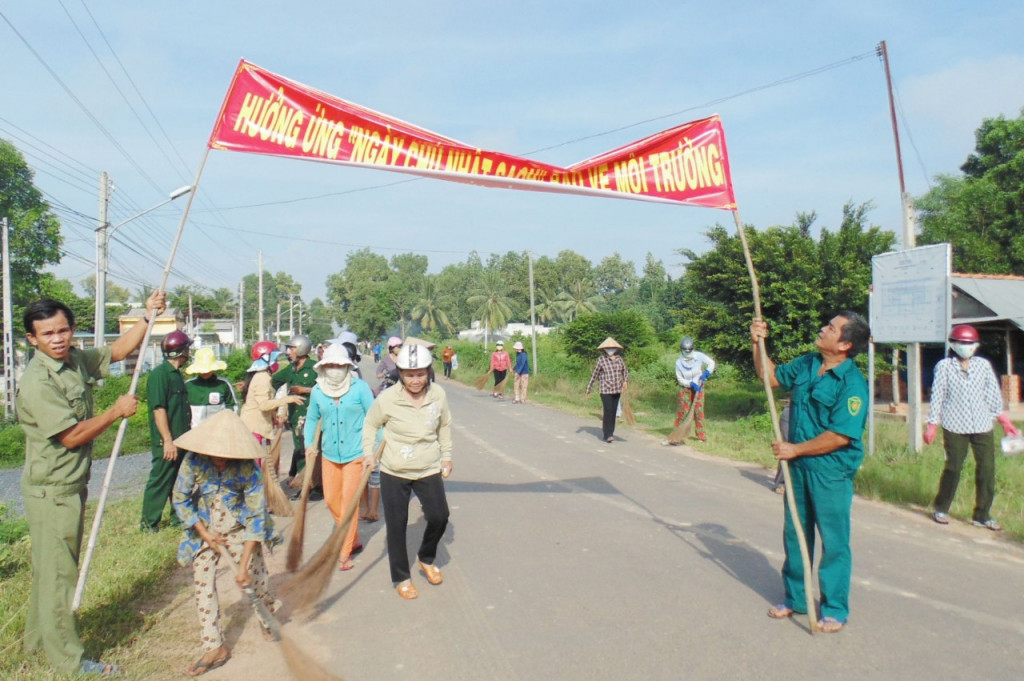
(611, 373)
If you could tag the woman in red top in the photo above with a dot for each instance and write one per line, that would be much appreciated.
(500, 364)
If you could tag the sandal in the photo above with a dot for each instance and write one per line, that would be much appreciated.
(201, 666)
(98, 668)
(781, 612)
(432, 572)
(990, 524)
(406, 590)
(940, 517)
(345, 565)
(830, 625)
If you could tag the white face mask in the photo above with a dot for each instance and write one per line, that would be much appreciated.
(336, 374)
(964, 350)
(335, 380)
(609, 351)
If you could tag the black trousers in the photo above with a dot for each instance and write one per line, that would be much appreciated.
(610, 402)
(394, 497)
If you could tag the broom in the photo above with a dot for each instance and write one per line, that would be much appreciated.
(277, 500)
(482, 380)
(299, 527)
(682, 431)
(301, 665)
(309, 582)
(627, 410)
(500, 387)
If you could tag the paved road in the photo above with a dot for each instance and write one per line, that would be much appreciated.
(571, 559)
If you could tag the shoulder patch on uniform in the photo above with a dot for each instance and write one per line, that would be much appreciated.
(853, 405)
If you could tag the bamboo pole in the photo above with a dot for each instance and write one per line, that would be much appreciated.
(805, 556)
(83, 572)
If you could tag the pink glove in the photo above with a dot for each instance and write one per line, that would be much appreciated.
(1007, 424)
(930, 432)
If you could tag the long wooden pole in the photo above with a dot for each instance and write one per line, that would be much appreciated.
(97, 520)
(766, 379)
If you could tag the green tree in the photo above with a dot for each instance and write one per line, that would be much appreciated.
(490, 301)
(429, 309)
(982, 213)
(316, 321)
(579, 299)
(613, 275)
(630, 328)
(35, 238)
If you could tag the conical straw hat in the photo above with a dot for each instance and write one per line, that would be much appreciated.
(609, 342)
(223, 435)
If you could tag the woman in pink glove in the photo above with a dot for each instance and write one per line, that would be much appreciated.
(965, 399)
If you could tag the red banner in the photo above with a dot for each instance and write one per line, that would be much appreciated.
(264, 113)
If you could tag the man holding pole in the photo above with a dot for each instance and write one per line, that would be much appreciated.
(828, 411)
(55, 409)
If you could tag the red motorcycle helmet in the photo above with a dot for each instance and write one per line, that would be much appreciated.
(175, 344)
(261, 348)
(964, 333)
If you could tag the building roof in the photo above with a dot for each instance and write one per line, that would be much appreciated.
(983, 298)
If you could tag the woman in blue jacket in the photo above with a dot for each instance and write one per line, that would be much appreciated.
(339, 403)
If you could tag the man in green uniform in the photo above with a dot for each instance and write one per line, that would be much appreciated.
(208, 393)
(827, 414)
(170, 415)
(300, 377)
(55, 409)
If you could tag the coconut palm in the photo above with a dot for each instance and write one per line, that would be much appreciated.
(548, 308)
(429, 309)
(581, 298)
(492, 305)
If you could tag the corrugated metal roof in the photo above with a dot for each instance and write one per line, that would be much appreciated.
(988, 298)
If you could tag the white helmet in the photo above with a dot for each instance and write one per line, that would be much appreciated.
(413, 357)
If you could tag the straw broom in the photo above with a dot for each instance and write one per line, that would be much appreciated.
(482, 380)
(309, 582)
(301, 665)
(682, 431)
(299, 527)
(277, 500)
(627, 410)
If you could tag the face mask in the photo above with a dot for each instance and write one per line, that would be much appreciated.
(336, 374)
(335, 380)
(609, 351)
(274, 367)
(964, 350)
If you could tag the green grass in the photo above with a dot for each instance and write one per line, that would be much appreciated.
(125, 598)
(739, 428)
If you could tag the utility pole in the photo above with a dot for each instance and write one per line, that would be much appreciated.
(914, 396)
(10, 384)
(300, 315)
(102, 249)
(277, 324)
(241, 314)
(533, 318)
(191, 318)
(259, 264)
(291, 313)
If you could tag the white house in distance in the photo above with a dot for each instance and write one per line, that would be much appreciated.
(476, 332)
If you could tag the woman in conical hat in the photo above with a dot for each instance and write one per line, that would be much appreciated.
(220, 500)
(612, 377)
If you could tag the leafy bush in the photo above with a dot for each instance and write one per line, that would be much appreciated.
(12, 445)
(631, 329)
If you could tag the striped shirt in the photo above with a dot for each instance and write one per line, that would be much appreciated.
(965, 401)
(610, 373)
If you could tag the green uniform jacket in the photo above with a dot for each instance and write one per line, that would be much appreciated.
(52, 397)
(305, 378)
(836, 401)
(207, 396)
(166, 389)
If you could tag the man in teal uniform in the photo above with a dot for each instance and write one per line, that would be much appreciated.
(300, 377)
(55, 409)
(170, 415)
(827, 414)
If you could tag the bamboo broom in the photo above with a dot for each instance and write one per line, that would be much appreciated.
(300, 664)
(682, 431)
(627, 409)
(299, 527)
(309, 582)
(277, 500)
(481, 381)
(812, 618)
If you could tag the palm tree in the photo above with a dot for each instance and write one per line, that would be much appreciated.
(493, 306)
(429, 309)
(581, 298)
(549, 308)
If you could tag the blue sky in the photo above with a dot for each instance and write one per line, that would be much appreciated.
(555, 81)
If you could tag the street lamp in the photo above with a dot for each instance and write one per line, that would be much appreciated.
(103, 234)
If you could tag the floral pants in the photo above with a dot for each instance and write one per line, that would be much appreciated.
(689, 398)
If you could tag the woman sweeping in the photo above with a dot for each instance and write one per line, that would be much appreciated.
(339, 403)
(219, 498)
(417, 456)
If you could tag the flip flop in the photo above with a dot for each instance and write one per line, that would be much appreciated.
(781, 612)
(345, 565)
(830, 625)
(200, 666)
(941, 518)
(432, 572)
(92, 667)
(407, 591)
